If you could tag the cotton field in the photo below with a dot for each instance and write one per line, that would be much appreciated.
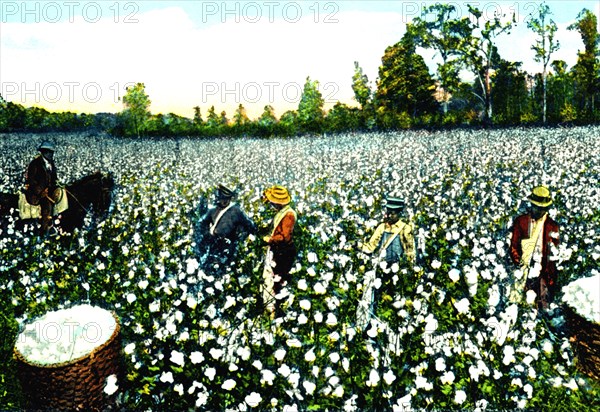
(444, 336)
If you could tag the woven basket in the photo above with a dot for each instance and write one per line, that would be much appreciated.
(77, 385)
(585, 337)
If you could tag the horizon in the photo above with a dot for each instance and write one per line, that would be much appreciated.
(211, 53)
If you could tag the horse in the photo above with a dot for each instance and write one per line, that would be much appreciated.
(91, 193)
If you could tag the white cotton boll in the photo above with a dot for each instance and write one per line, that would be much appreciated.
(129, 348)
(459, 397)
(197, 357)
(253, 400)
(494, 296)
(436, 264)
(166, 377)
(471, 277)
(302, 285)
(302, 319)
(177, 358)
(305, 304)
(309, 387)
(320, 289)
(454, 275)
(389, 377)
(462, 306)
(216, 353)
(310, 356)
(373, 378)
(377, 283)
(111, 385)
(530, 297)
(312, 257)
(440, 364)
(267, 377)
(284, 370)
(431, 323)
(547, 347)
(229, 302)
(229, 384)
(509, 358)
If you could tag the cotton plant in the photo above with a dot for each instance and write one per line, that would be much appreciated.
(443, 333)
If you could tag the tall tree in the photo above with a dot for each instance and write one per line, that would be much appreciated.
(560, 93)
(438, 30)
(404, 84)
(511, 98)
(544, 46)
(267, 118)
(197, 116)
(212, 119)
(360, 86)
(586, 69)
(137, 109)
(479, 52)
(310, 108)
(240, 118)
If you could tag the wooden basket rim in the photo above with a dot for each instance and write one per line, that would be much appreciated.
(583, 318)
(71, 362)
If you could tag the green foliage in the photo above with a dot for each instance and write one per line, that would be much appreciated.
(544, 46)
(404, 84)
(310, 109)
(585, 72)
(360, 86)
(438, 30)
(136, 112)
(342, 118)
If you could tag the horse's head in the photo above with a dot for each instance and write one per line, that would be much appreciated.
(107, 184)
(94, 190)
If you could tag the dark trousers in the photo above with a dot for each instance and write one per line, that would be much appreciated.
(284, 257)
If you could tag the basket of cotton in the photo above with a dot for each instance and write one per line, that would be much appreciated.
(582, 313)
(68, 358)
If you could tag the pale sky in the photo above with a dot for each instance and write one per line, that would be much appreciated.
(80, 55)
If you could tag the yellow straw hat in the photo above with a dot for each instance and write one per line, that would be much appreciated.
(278, 195)
(540, 196)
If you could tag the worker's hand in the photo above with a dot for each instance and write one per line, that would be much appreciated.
(266, 239)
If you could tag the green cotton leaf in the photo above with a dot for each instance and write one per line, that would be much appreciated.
(447, 389)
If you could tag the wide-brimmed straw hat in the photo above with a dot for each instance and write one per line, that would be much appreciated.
(278, 195)
(394, 204)
(540, 196)
(224, 192)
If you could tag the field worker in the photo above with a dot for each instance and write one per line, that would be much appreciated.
(41, 184)
(532, 236)
(221, 228)
(393, 238)
(281, 250)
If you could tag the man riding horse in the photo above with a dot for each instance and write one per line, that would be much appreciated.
(41, 184)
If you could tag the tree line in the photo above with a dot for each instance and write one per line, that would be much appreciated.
(405, 94)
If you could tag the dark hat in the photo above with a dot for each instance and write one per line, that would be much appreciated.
(394, 203)
(224, 192)
(540, 196)
(46, 145)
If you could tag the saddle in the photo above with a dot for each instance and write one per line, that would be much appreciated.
(29, 211)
